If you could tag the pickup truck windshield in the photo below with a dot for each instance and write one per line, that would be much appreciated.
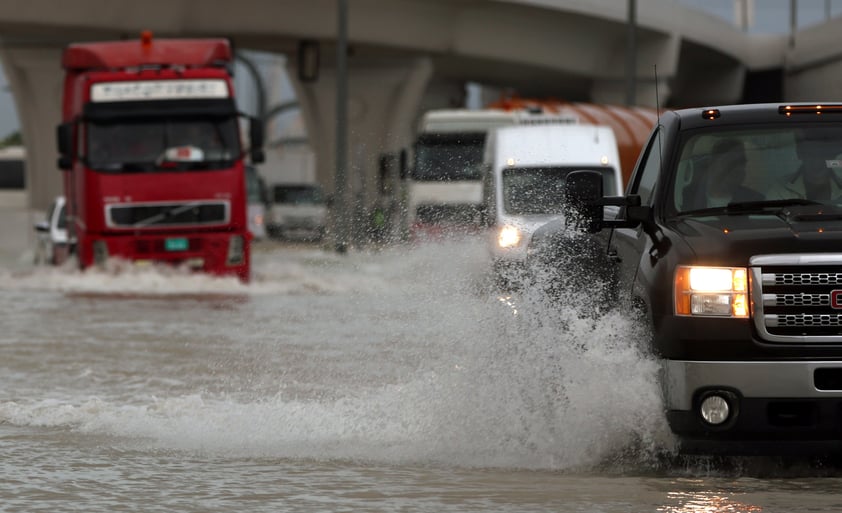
(792, 164)
(148, 145)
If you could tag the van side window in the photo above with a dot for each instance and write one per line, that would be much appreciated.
(645, 181)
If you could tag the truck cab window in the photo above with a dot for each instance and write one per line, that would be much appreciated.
(644, 183)
(446, 157)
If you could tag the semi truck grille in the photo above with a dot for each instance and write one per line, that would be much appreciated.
(157, 215)
(798, 298)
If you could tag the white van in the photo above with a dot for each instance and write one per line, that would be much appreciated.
(525, 169)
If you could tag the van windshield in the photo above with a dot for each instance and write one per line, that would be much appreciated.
(540, 190)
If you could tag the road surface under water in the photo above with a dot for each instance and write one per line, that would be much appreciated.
(394, 380)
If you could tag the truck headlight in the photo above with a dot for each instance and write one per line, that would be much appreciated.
(711, 291)
(508, 237)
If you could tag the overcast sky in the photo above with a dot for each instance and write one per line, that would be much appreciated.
(769, 17)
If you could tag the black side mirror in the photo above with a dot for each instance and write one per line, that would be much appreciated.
(582, 195)
(64, 140)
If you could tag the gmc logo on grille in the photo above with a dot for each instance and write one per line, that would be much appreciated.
(836, 299)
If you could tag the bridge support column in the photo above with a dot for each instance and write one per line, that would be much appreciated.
(35, 76)
(383, 102)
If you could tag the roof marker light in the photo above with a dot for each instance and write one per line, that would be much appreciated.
(146, 39)
(710, 113)
(818, 110)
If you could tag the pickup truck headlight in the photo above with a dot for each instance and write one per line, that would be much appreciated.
(508, 237)
(711, 291)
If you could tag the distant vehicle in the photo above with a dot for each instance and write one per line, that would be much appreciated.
(257, 199)
(54, 244)
(525, 168)
(444, 184)
(152, 152)
(298, 211)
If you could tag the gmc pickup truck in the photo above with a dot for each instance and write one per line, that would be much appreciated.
(728, 244)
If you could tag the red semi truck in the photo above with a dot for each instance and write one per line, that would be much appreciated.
(153, 159)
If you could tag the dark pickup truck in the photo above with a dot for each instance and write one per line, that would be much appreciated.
(728, 244)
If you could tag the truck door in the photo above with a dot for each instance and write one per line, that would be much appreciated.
(629, 247)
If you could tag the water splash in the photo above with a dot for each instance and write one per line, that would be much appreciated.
(421, 363)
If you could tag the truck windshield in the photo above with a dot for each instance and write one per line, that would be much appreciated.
(171, 144)
(761, 168)
(540, 190)
(447, 157)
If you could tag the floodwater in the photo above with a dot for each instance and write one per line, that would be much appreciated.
(383, 381)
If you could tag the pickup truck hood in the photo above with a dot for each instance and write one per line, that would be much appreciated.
(801, 230)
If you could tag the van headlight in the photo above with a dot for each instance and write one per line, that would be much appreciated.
(509, 236)
(711, 291)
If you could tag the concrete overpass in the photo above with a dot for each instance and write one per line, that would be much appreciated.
(410, 55)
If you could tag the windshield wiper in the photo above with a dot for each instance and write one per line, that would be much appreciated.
(743, 207)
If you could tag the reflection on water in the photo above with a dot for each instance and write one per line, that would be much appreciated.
(705, 502)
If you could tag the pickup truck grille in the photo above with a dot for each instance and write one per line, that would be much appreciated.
(157, 215)
(814, 278)
(798, 298)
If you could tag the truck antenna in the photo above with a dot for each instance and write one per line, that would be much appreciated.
(658, 116)
(657, 101)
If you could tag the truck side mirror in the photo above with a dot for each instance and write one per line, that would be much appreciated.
(64, 140)
(256, 141)
(582, 195)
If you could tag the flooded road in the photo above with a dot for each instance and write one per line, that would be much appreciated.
(376, 381)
